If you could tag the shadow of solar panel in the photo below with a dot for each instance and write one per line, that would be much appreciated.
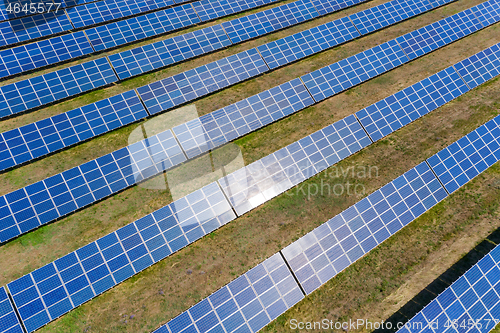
(481, 67)
(460, 162)
(50, 291)
(488, 12)
(305, 43)
(273, 19)
(325, 7)
(31, 93)
(160, 54)
(472, 300)
(27, 57)
(327, 250)
(184, 87)
(63, 130)
(9, 323)
(221, 126)
(209, 10)
(390, 114)
(332, 79)
(274, 174)
(140, 27)
(245, 305)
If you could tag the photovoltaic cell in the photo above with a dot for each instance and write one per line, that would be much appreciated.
(270, 20)
(187, 86)
(463, 160)
(160, 54)
(325, 7)
(272, 175)
(27, 57)
(52, 134)
(52, 290)
(327, 250)
(59, 195)
(245, 305)
(481, 67)
(392, 113)
(221, 126)
(209, 10)
(488, 12)
(9, 323)
(302, 44)
(332, 79)
(31, 93)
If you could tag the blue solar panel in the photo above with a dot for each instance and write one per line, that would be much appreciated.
(270, 20)
(481, 67)
(302, 44)
(488, 12)
(470, 304)
(178, 89)
(59, 195)
(325, 7)
(209, 9)
(331, 80)
(52, 290)
(392, 113)
(153, 56)
(463, 160)
(327, 250)
(383, 15)
(140, 27)
(43, 53)
(72, 3)
(58, 132)
(9, 323)
(31, 93)
(266, 178)
(245, 305)
(234, 121)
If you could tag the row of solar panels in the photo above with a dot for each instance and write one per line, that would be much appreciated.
(47, 200)
(58, 287)
(55, 133)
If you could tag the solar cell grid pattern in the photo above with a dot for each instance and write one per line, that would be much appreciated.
(472, 301)
(325, 7)
(140, 27)
(178, 89)
(481, 67)
(332, 79)
(64, 284)
(9, 323)
(52, 134)
(388, 115)
(463, 160)
(221, 126)
(43, 53)
(49, 199)
(273, 19)
(302, 44)
(153, 56)
(245, 305)
(488, 12)
(209, 10)
(272, 175)
(31, 93)
(327, 250)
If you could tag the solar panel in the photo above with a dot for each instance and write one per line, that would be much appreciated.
(52, 290)
(209, 10)
(273, 19)
(245, 305)
(392, 113)
(9, 323)
(221, 126)
(58, 132)
(266, 178)
(332, 79)
(43, 53)
(488, 12)
(8, 11)
(481, 67)
(140, 27)
(26, 28)
(463, 160)
(325, 7)
(72, 3)
(388, 13)
(31, 93)
(59, 195)
(470, 304)
(438, 34)
(178, 89)
(327, 250)
(302, 44)
(153, 56)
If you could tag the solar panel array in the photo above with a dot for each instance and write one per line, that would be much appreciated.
(481, 67)
(54, 289)
(210, 10)
(325, 7)
(9, 323)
